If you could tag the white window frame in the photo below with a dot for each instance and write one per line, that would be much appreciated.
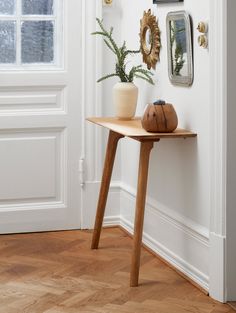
(57, 18)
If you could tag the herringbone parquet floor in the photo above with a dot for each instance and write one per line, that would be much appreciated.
(57, 272)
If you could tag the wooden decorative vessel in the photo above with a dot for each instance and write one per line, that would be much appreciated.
(160, 117)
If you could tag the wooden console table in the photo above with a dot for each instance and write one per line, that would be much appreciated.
(132, 129)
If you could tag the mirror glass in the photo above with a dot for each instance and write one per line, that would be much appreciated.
(178, 48)
(148, 40)
(179, 37)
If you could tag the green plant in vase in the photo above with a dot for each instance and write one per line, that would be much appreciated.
(121, 54)
(125, 93)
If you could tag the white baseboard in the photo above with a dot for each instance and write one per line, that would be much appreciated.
(110, 221)
(90, 197)
(181, 242)
(183, 246)
(187, 269)
(217, 268)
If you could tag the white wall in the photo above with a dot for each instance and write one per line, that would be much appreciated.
(178, 204)
(187, 193)
(231, 154)
(181, 182)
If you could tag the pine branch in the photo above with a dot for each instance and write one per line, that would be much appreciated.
(132, 71)
(149, 80)
(120, 71)
(111, 31)
(100, 24)
(105, 77)
(144, 72)
(108, 35)
(132, 52)
(109, 46)
(98, 33)
(124, 46)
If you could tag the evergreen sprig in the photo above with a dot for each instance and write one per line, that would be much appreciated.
(121, 54)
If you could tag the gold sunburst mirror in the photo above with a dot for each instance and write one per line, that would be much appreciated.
(150, 39)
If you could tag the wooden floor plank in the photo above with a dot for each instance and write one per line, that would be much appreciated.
(57, 272)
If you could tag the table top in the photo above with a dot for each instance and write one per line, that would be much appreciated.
(133, 129)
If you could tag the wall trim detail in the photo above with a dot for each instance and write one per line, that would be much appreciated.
(186, 225)
(218, 94)
(187, 269)
(91, 102)
(90, 204)
(217, 267)
(112, 221)
(218, 91)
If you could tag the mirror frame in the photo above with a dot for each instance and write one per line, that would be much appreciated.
(150, 57)
(180, 80)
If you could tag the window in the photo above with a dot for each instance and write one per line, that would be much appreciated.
(29, 33)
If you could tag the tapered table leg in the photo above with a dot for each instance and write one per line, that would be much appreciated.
(146, 147)
(105, 184)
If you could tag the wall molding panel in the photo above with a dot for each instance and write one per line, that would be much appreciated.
(43, 177)
(218, 122)
(32, 100)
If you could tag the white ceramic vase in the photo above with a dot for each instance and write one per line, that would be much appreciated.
(125, 97)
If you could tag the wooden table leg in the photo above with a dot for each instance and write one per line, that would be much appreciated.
(146, 147)
(105, 184)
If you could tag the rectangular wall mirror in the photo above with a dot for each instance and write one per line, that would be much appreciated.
(179, 45)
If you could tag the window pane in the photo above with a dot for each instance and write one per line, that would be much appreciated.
(7, 42)
(37, 42)
(37, 7)
(7, 7)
